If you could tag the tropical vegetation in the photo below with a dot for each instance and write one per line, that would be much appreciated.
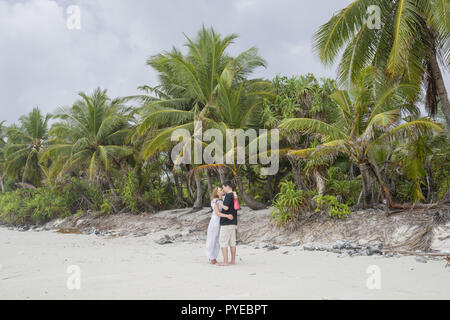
(358, 141)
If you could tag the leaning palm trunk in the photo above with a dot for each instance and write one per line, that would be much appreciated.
(251, 203)
(210, 187)
(180, 201)
(198, 204)
(385, 188)
(320, 182)
(440, 86)
(222, 174)
(297, 174)
(365, 176)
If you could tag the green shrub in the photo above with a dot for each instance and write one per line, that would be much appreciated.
(159, 198)
(403, 190)
(33, 206)
(332, 206)
(443, 185)
(46, 205)
(82, 194)
(339, 185)
(128, 193)
(106, 207)
(288, 203)
(12, 209)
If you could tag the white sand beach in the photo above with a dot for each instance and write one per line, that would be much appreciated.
(34, 266)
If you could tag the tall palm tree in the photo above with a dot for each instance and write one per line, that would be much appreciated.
(2, 155)
(414, 36)
(25, 143)
(189, 87)
(241, 107)
(238, 107)
(90, 136)
(368, 114)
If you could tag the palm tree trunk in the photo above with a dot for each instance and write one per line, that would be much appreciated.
(367, 194)
(198, 204)
(385, 188)
(351, 172)
(222, 174)
(251, 203)
(210, 187)
(180, 201)
(2, 185)
(440, 86)
(320, 182)
(113, 191)
(297, 174)
(446, 198)
(430, 182)
(269, 187)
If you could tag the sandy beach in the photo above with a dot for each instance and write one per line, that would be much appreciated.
(34, 266)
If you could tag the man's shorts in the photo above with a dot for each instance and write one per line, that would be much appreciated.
(227, 237)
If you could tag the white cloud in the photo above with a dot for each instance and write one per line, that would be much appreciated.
(44, 63)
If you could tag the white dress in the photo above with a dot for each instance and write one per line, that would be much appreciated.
(212, 238)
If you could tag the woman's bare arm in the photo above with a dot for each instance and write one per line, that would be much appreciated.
(224, 207)
(220, 214)
(217, 211)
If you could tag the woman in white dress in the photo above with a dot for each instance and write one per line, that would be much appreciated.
(212, 238)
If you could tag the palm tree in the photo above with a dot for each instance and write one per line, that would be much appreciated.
(90, 138)
(2, 155)
(301, 97)
(414, 36)
(189, 88)
(25, 143)
(367, 115)
(241, 107)
(238, 107)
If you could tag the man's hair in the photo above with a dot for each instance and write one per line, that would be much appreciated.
(227, 184)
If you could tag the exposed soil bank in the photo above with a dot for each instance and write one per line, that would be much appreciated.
(416, 230)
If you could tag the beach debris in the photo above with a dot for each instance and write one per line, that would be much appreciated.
(421, 260)
(91, 230)
(270, 247)
(140, 234)
(24, 228)
(448, 261)
(165, 240)
(295, 243)
(348, 248)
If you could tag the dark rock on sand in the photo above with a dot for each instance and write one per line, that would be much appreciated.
(270, 247)
(24, 228)
(421, 260)
(165, 240)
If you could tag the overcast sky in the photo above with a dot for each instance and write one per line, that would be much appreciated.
(44, 63)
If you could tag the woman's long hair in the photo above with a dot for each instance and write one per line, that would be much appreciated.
(215, 193)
